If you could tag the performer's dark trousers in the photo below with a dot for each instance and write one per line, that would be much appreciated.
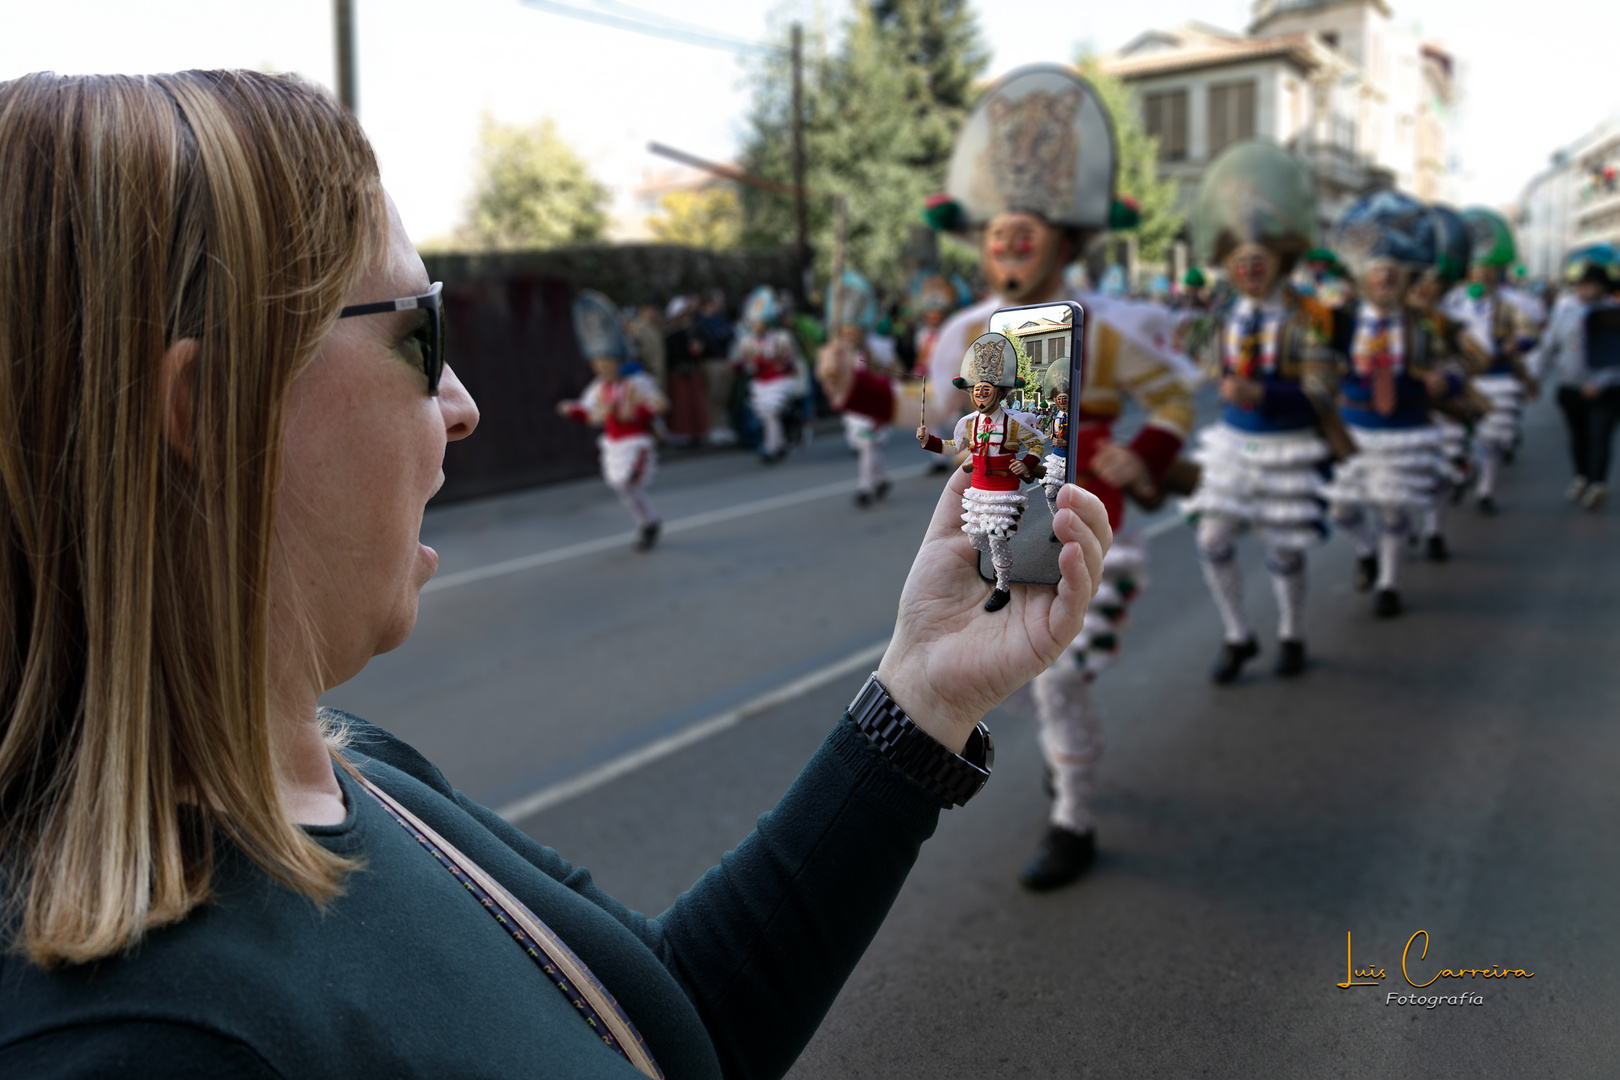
(1591, 424)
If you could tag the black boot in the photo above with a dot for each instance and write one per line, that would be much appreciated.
(1387, 604)
(1487, 505)
(1290, 658)
(998, 600)
(648, 537)
(1366, 572)
(1230, 660)
(863, 499)
(1437, 549)
(882, 489)
(1062, 857)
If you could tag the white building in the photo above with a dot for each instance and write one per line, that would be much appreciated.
(1574, 201)
(1364, 102)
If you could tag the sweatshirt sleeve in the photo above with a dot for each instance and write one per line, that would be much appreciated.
(133, 1050)
(766, 939)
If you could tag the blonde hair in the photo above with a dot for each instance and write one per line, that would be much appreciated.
(230, 207)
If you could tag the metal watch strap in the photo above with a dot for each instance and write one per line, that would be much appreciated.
(956, 778)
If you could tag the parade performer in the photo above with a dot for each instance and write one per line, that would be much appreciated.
(1004, 454)
(1503, 324)
(1263, 462)
(1030, 184)
(624, 406)
(1456, 418)
(1393, 369)
(854, 372)
(934, 298)
(1589, 398)
(768, 355)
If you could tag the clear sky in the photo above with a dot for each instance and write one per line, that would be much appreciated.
(1535, 76)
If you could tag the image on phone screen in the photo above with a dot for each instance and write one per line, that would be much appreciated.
(1050, 342)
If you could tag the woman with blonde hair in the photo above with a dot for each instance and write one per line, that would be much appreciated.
(225, 405)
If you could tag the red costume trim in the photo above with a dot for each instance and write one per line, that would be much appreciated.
(871, 396)
(1157, 448)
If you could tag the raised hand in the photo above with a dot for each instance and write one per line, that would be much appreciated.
(950, 661)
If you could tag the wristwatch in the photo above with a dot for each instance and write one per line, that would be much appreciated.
(956, 778)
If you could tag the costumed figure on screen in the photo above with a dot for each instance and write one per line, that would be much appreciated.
(1393, 373)
(769, 356)
(1459, 354)
(1031, 183)
(1588, 391)
(1004, 454)
(1503, 324)
(854, 372)
(623, 406)
(1264, 462)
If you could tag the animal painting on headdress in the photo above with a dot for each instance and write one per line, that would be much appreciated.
(1029, 161)
(987, 358)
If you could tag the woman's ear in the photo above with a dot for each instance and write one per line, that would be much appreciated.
(177, 388)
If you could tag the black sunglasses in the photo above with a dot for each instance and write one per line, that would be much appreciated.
(427, 335)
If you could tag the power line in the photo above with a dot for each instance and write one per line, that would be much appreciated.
(623, 16)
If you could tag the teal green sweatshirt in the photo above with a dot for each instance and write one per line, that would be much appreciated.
(407, 975)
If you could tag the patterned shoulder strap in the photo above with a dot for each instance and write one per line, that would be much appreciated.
(566, 970)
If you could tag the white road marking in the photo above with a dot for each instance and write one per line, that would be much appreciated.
(624, 764)
(679, 525)
(1159, 528)
(608, 771)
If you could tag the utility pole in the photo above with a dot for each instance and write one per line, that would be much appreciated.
(343, 39)
(799, 208)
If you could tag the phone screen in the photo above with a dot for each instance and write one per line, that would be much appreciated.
(1050, 342)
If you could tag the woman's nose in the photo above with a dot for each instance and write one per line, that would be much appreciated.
(459, 409)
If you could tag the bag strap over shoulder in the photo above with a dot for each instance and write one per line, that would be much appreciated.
(566, 970)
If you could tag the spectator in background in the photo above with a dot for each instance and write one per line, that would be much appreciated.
(646, 330)
(683, 359)
(714, 333)
(1588, 395)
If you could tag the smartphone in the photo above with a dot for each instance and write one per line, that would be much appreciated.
(1043, 335)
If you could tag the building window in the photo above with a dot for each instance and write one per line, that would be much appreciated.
(1231, 114)
(1165, 113)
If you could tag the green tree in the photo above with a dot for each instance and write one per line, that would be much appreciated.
(1138, 164)
(533, 191)
(881, 117)
(707, 218)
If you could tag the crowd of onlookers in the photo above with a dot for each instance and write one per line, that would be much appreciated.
(689, 343)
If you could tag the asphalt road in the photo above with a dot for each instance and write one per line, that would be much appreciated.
(1450, 771)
